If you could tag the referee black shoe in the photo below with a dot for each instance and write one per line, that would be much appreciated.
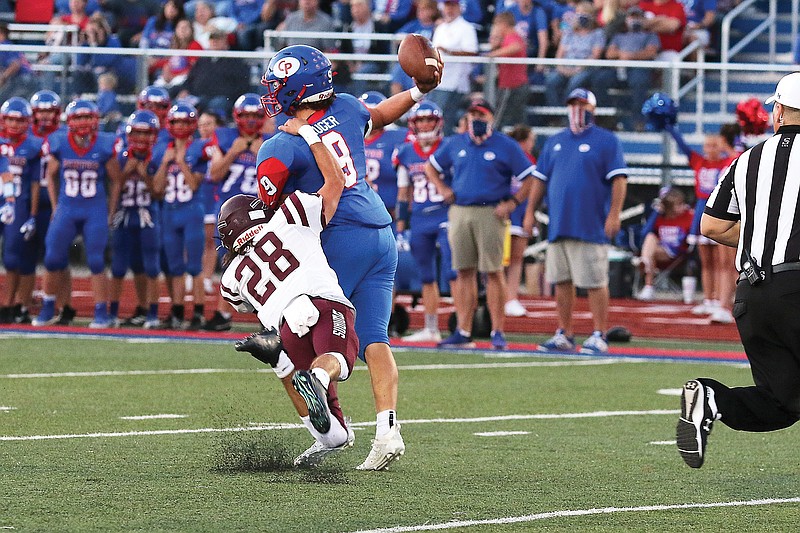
(694, 425)
(316, 398)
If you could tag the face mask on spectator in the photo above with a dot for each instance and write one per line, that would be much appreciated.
(583, 21)
(635, 25)
(479, 130)
(580, 118)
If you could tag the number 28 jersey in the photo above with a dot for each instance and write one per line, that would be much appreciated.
(83, 177)
(285, 164)
(286, 261)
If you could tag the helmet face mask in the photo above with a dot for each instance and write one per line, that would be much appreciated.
(46, 106)
(142, 130)
(240, 218)
(83, 118)
(248, 114)
(430, 114)
(16, 114)
(182, 121)
(296, 75)
(155, 99)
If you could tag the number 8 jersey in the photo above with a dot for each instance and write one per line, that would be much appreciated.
(82, 182)
(286, 260)
(341, 127)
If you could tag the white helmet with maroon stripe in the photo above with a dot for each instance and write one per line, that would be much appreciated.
(241, 217)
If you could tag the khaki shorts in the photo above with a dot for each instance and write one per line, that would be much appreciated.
(583, 263)
(476, 238)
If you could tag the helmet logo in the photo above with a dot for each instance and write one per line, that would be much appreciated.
(285, 67)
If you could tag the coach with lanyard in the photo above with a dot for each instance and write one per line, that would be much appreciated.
(755, 209)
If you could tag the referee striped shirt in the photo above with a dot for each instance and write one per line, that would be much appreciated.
(761, 189)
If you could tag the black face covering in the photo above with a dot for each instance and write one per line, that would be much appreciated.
(635, 25)
(584, 21)
(479, 127)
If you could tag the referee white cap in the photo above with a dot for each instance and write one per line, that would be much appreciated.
(787, 92)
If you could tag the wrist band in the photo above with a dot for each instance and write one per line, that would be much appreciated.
(308, 134)
(8, 189)
(416, 94)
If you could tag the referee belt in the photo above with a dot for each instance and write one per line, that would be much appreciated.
(783, 267)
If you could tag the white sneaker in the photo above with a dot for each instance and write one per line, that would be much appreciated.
(385, 450)
(318, 451)
(721, 316)
(596, 344)
(424, 335)
(646, 294)
(515, 308)
(705, 308)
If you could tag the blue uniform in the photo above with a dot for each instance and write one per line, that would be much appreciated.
(45, 213)
(24, 163)
(577, 167)
(82, 201)
(428, 214)
(135, 240)
(482, 173)
(358, 241)
(183, 234)
(381, 174)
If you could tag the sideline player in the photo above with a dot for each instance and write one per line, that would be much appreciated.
(299, 83)
(276, 268)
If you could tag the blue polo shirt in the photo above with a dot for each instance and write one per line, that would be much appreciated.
(482, 173)
(578, 171)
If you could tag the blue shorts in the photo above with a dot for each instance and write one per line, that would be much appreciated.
(19, 255)
(365, 260)
(136, 247)
(91, 222)
(183, 238)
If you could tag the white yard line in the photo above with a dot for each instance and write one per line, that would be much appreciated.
(270, 427)
(500, 433)
(5, 408)
(577, 512)
(102, 373)
(151, 417)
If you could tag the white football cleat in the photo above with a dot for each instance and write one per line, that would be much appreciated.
(424, 335)
(514, 308)
(318, 451)
(385, 451)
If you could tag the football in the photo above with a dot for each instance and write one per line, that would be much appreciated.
(418, 58)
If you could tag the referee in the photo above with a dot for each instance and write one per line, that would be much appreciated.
(755, 208)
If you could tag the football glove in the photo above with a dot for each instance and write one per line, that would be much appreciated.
(7, 213)
(265, 346)
(28, 229)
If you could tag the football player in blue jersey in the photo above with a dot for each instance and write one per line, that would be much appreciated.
(83, 183)
(420, 205)
(46, 107)
(358, 242)
(180, 165)
(136, 228)
(25, 154)
(233, 167)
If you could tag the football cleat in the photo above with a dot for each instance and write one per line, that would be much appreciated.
(457, 340)
(424, 335)
(558, 343)
(197, 322)
(596, 344)
(385, 450)
(316, 397)
(498, 340)
(218, 323)
(66, 316)
(138, 318)
(47, 316)
(514, 308)
(695, 423)
(318, 451)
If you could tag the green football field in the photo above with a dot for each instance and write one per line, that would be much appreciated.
(113, 435)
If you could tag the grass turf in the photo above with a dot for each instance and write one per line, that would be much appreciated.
(243, 480)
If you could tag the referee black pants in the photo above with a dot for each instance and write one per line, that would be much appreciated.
(768, 318)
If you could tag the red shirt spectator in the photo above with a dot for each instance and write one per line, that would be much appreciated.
(667, 18)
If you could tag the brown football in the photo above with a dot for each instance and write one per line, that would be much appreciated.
(418, 58)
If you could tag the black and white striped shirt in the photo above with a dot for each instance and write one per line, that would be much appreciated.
(761, 189)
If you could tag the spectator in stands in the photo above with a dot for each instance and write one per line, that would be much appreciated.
(307, 17)
(581, 172)
(701, 16)
(664, 238)
(667, 19)
(222, 8)
(16, 76)
(78, 14)
(157, 33)
(107, 100)
(275, 11)
(585, 41)
(483, 163)
(64, 7)
(531, 24)
(392, 14)
(424, 24)
(454, 37)
(129, 17)
(717, 272)
(634, 44)
(526, 139)
(98, 35)
(173, 70)
(512, 80)
(362, 22)
(204, 78)
(249, 26)
(59, 37)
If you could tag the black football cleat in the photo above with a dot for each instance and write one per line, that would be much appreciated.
(218, 323)
(316, 398)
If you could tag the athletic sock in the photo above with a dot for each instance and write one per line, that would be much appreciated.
(152, 312)
(200, 309)
(178, 311)
(431, 322)
(385, 422)
(113, 309)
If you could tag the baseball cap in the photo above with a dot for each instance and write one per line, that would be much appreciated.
(450, 1)
(788, 91)
(481, 104)
(217, 34)
(584, 95)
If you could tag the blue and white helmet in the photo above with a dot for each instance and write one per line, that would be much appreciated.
(296, 75)
(426, 109)
(248, 113)
(18, 108)
(182, 120)
(660, 111)
(372, 98)
(141, 129)
(82, 108)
